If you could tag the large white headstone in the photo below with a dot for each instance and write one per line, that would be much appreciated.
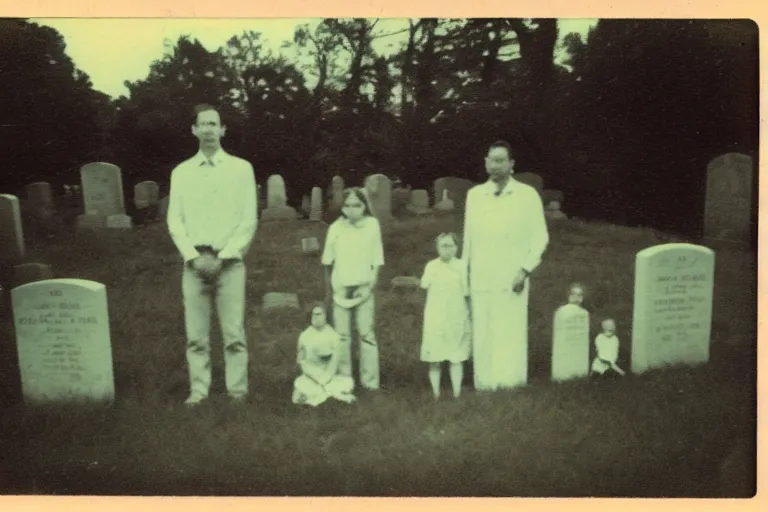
(63, 339)
(570, 343)
(672, 317)
(102, 189)
(276, 195)
(11, 232)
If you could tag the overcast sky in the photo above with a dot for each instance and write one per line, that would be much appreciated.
(113, 50)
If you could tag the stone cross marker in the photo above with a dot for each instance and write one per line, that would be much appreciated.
(728, 208)
(316, 205)
(672, 316)
(570, 343)
(64, 347)
(11, 232)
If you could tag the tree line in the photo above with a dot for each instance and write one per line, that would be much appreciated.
(625, 128)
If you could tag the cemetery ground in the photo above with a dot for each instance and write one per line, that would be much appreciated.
(686, 432)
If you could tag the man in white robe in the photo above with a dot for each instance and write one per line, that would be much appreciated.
(505, 235)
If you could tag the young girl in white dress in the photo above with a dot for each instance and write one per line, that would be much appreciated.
(447, 331)
(318, 358)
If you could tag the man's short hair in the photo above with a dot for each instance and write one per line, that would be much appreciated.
(502, 144)
(204, 107)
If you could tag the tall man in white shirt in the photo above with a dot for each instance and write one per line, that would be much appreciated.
(212, 220)
(505, 235)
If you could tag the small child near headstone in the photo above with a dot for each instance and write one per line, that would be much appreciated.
(607, 345)
(318, 358)
(447, 331)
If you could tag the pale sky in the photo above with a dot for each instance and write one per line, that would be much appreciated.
(112, 50)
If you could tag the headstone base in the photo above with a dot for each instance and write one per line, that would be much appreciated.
(279, 213)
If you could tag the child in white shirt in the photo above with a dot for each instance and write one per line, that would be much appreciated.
(318, 358)
(607, 345)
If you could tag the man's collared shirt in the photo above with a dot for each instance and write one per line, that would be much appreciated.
(213, 202)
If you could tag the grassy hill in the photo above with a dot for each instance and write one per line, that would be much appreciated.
(665, 433)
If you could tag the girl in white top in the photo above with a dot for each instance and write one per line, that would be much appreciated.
(353, 254)
(607, 345)
(447, 331)
(318, 358)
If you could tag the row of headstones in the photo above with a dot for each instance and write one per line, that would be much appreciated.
(65, 352)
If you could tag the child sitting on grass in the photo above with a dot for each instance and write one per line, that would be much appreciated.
(318, 358)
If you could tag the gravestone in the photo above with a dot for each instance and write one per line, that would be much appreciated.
(419, 202)
(63, 339)
(552, 211)
(40, 205)
(378, 189)
(727, 211)
(549, 195)
(31, 272)
(11, 232)
(400, 199)
(102, 189)
(532, 179)
(337, 193)
(457, 190)
(305, 205)
(39, 194)
(119, 222)
(310, 245)
(316, 205)
(276, 300)
(445, 204)
(672, 316)
(277, 206)
(146, 194)
(570, 343)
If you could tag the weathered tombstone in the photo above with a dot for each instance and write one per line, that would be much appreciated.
(40, 208)
(306, 206)
(102, 189)
(445, 204)
(457, 189)
(532, 179)
(275, 300)
(552, 211)
(11, 232)
(570, 343)
(31, 272)
(400, 199)
(337, 192)
(549, 195)
(64, 347)
(672, 316)
(316, 205)
(277, 206)
(310, 245)
(146, 194)
(378, 188)
(727, 211)
(419, 202)
(39, 194)
(119, 222)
